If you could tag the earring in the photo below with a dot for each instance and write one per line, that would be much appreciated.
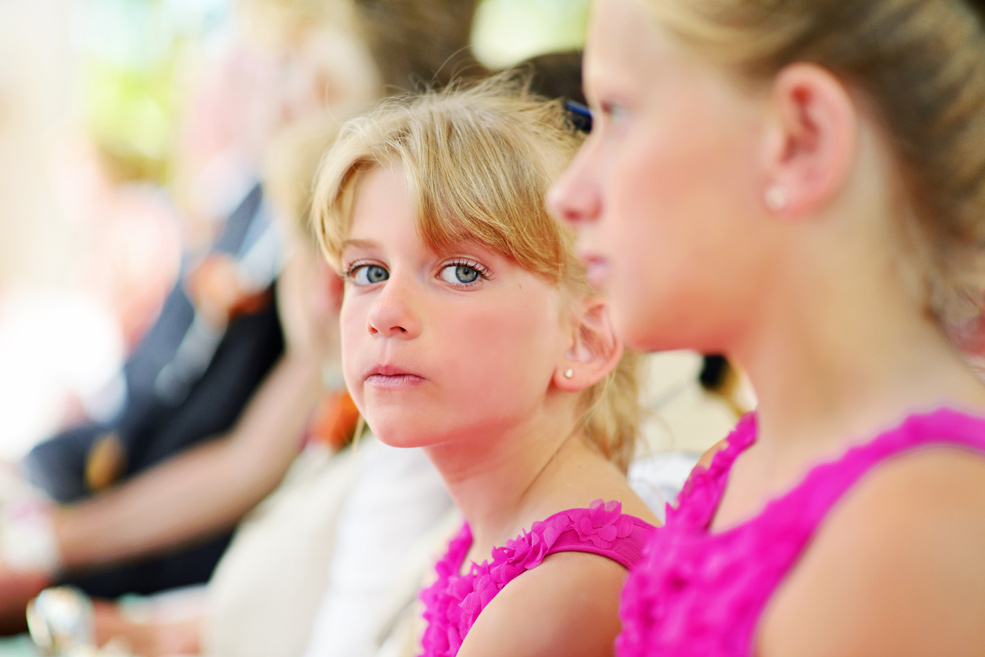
(776, 197)
(569, 373)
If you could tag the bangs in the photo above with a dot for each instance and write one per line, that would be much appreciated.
(471, 173)
(473, 180)
(504, 218)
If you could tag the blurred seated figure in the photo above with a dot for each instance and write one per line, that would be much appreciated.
(211, 335)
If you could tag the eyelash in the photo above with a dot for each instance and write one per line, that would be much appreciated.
(483, 272)
(351, 269)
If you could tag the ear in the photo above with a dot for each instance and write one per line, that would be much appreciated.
(812, 142)
(594, 350)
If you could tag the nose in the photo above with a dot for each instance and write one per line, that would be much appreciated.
(392, 314)
(575, 196)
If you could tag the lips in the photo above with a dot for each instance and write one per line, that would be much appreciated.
(392, 377)
(596, 270)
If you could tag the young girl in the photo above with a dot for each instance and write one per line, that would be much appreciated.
(800, 185)
(467, 329)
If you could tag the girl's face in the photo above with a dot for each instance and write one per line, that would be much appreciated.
(440, 346)
(666, 191)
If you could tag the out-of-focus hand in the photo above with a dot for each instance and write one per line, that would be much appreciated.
(146, 637)
(215, 288)
(17, 588)
(29, 557)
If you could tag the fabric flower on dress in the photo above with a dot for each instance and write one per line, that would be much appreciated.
(485, 589)
(454, 602)
(527, 550)
(604, 525)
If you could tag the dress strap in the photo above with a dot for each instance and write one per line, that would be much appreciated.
(603, 530)
(702, 492)
(826, 484)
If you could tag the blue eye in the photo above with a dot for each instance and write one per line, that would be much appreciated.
(462, 273)
(367, 274)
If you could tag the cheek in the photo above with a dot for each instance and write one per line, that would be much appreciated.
(657, 172)
(662, 210)
(687, 226)
(491, 339)
(502, 353)
(647, 208)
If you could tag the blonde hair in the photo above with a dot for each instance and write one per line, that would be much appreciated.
(921, 64)
(479, 162)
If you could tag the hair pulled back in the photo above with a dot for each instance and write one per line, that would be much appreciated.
(920, 64)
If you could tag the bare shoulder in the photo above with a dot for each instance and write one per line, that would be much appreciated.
(897, 568)
(566, 606)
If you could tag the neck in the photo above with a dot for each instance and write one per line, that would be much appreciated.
(842, 354)
(494, 478)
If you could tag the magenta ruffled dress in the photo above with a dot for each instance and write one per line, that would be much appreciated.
(702, 593)
(454, 601)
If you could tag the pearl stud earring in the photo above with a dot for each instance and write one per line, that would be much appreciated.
(569, 373)
(776, 197)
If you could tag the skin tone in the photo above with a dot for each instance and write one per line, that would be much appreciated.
(463, 353)
(816, 301)
(150, 637)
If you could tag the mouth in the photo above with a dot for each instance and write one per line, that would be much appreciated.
(393, 378)
(596, 269)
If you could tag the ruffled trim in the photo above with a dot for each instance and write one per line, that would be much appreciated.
(454, 601)
(702, 492)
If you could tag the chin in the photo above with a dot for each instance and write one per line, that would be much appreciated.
(644, 343)
(633, 327)
(394, 432)
(645, 334)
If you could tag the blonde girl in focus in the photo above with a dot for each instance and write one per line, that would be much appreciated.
(468, 330)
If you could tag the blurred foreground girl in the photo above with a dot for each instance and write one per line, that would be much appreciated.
(800, 185)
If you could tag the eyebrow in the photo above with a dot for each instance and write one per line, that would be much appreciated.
(359, 244)
(466, 244)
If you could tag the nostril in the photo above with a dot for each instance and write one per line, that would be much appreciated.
(562, 209)
(568, 216)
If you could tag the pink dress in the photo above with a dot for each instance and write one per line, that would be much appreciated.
(454, 601)
(702, 593)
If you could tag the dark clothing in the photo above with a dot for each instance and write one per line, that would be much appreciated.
(202, 399)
